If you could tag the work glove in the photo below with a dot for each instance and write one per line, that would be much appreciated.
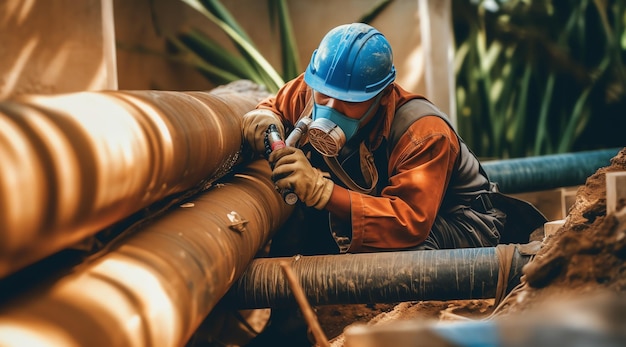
(292, 170)
(255, 124)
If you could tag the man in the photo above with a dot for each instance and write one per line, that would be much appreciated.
(382, 169)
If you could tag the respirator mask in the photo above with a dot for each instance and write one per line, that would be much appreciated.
(330, 129)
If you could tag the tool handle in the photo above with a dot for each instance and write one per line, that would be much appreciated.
(298, 134)
(274, 141)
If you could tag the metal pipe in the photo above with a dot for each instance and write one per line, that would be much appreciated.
(386, 277)
(547, 172)
(156, 286)
(73, 164)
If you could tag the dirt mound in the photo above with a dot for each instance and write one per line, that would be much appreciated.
(586, 254)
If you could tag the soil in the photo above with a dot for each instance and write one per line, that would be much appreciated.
(585, 256)
(335, 318)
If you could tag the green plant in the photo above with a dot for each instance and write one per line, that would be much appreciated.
(533, 75)
(222, 66)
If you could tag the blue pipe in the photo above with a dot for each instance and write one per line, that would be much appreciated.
(547, 172)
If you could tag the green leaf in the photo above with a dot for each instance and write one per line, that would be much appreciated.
(216, 8)
(543, 136)
(271, 78)
(209, 50)
(191, 58)
(370, 15)
(289, 49)
(578, 115)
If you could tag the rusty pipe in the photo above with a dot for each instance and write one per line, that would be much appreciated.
(156, 286)
(73, 164)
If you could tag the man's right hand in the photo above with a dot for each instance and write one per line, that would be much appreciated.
(293, 171)
(255, 123)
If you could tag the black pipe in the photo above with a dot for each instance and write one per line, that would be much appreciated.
(547, 172)
(385, 277)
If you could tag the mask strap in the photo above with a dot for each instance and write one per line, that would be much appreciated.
(370, 174)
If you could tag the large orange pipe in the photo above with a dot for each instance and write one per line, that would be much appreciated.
(73, 164)
(156, 286)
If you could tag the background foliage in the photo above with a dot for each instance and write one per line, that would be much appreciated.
(538, 76)
(221, 66)
(533, 77)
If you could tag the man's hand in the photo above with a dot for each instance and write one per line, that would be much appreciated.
(254, 125)
(292, 170)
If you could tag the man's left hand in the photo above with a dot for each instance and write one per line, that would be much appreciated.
(292, 170)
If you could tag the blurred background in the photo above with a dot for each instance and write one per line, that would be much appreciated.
(518, 78)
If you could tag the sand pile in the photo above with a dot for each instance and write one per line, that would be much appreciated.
(586, 255)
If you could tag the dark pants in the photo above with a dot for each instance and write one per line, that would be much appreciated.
(463, 227)
(307, 232)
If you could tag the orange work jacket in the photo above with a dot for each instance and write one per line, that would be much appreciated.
(418, 170)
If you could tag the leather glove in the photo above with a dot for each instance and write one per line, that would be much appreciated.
(254, 125)
(292, 170)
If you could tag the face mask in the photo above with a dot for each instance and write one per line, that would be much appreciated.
(331, 129)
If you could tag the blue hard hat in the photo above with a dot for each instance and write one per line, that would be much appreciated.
(353, 63)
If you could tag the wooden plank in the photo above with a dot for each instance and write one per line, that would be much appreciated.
(553, 203)
(438, 46)
(615, 191)
(56, 46)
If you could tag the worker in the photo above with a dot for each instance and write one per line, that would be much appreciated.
(383, 169)
(379, 168)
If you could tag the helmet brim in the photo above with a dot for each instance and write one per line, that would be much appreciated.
(319, 85)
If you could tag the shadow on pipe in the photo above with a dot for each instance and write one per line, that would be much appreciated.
(73, 164)
(155, 286)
